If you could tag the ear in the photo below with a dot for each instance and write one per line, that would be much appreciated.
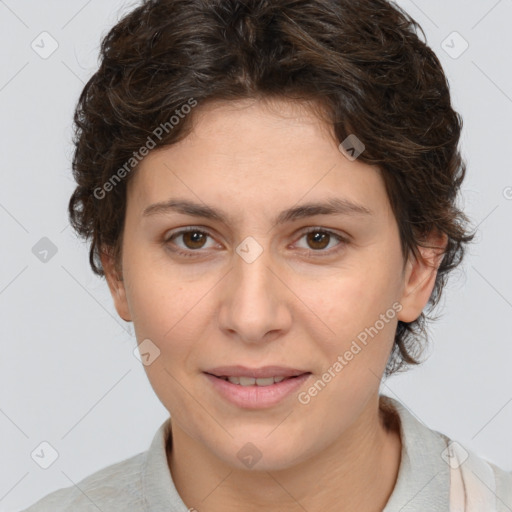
(115, 283)
(420, 277)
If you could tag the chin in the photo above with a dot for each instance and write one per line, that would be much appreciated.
(264, 453)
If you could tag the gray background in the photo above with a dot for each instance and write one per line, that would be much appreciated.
(68, 373)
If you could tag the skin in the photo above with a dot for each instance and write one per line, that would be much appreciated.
(300, 303)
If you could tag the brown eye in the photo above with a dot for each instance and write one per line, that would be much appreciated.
(194, 239)
(188, 241)
(318, 240)
(323, 242)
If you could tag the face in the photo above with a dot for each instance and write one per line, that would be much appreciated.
(263, 282)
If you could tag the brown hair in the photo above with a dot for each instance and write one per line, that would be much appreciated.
(361, 60)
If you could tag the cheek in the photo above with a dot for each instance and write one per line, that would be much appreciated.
(171, 315)
(353, 299)
(173, 310)
(157, 294)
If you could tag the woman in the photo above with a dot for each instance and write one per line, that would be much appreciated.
(270, 190)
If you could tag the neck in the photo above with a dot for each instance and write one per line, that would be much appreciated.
(356, 473)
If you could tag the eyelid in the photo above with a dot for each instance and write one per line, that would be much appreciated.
(344, 236)
(343, 239)
(187, 229)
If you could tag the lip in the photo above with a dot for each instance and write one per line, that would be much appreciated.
(257, 373)
(257, 397)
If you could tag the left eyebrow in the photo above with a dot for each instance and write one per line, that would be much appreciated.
(333, 206)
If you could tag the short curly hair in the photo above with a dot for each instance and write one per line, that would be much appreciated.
(361, 60)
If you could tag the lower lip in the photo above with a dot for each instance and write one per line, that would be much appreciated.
(257, 397)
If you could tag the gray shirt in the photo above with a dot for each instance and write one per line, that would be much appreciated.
(144, 483)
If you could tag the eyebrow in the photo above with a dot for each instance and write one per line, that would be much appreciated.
(333, 206)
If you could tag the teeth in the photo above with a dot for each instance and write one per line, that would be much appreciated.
(246, 381)
(251, 381)
(265, 382)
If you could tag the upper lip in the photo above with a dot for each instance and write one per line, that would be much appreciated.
(257, 373)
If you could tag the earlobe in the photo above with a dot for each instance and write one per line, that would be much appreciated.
(420, 278)
(116, 284)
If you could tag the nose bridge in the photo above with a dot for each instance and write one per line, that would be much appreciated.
(252, 271)
(253, 304)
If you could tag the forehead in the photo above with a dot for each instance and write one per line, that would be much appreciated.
(263, 154)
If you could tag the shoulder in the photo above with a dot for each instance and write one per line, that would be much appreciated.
(462, 477)
(503, 488)
(113, 488)
(474, 480)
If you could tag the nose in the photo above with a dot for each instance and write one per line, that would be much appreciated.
(255, 304)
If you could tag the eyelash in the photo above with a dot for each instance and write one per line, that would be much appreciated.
(311, 253)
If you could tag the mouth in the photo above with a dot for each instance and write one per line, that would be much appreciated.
(256, 388)
(264, 372)
(252, 381)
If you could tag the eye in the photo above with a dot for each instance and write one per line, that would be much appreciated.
(193, 239)
(318, 239)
